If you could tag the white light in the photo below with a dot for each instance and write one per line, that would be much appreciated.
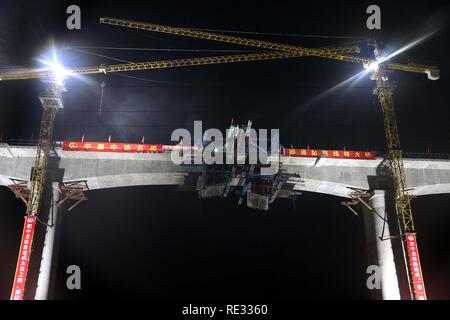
(52, 64)
(409, 46)
(373, 66)
(58, 71)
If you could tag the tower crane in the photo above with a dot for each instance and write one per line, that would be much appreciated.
(380, 69)
(384, 91)
(51, 101)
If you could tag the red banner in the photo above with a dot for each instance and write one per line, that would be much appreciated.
(338, 154)
(24, 258)
(158, 148)
(415, 268)
(112, 147)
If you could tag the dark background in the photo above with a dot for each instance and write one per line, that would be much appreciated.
(154, 242)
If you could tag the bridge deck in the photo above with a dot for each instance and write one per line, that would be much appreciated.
(329, 176)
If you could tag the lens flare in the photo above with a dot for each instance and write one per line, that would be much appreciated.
(53, 65)
(371, 67)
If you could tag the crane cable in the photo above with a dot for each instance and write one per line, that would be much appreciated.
(118, 74)
(161, 49)
(279, 34)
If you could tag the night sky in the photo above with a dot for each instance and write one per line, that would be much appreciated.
(155, 242)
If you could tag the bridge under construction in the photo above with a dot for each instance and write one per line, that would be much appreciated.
(380, 187)
(77, 168)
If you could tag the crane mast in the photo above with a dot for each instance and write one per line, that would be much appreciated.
(384, 91)
(51, 101)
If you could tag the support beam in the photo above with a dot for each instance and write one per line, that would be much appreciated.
(48, 252)
(379, 246)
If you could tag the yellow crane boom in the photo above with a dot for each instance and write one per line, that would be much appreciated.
(164, 64)
(219, 37)
(316, 52)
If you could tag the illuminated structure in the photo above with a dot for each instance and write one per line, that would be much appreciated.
(378, 67)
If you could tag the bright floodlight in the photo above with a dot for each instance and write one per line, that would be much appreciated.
(373, 66)
(52, 64)
(58, 71)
